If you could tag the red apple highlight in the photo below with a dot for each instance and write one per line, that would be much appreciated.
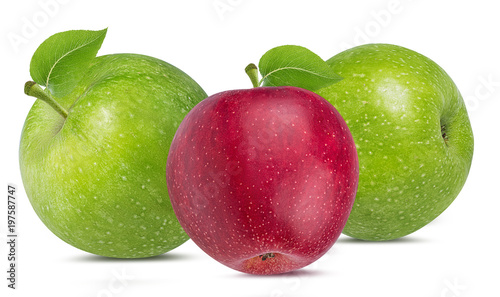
(263, 180)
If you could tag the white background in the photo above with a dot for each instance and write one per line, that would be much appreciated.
(454, 256)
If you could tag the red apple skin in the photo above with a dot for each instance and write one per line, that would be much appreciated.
(263, 180)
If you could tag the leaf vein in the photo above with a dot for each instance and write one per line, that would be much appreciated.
(66, 54)
(299, 69)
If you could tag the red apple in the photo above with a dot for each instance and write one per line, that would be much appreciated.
(263, 180)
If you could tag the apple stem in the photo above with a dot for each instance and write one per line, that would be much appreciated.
(253, 74)
(31, 88)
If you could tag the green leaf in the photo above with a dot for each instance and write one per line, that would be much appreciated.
(291, 65)
(61, 60)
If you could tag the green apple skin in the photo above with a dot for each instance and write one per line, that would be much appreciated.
(97, 179)
(412, 133)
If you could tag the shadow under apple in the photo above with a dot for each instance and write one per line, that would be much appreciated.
(91, 258)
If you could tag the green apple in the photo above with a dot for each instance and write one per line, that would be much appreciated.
(93, 162)
(412, 133)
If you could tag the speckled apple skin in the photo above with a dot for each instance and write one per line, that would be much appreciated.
(97, 179)
(412, 133)
(264, 170)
